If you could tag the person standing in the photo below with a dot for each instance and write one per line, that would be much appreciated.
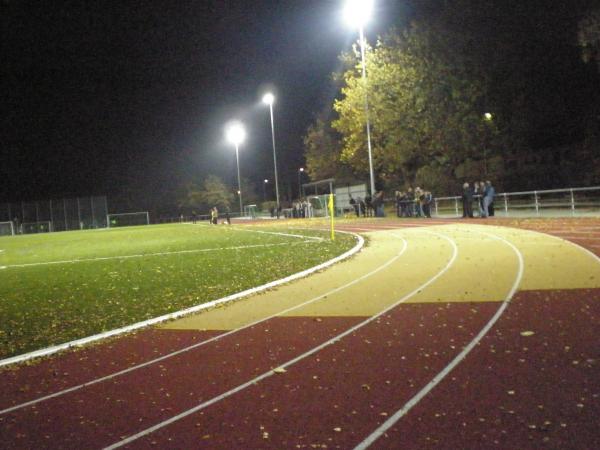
(488, 199)
(467, 201)
(398, 198)
(419, 196)
(355, 206)
(369, 205)
(410, 200)
(480, 191)
(361, 207)
(378, 204)
(426, 204)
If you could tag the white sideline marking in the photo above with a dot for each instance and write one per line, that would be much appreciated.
(184, 312)
(277, 233)
(283, 234)
(144, 255)
(457, 360)
(291, 362)
(215, 338)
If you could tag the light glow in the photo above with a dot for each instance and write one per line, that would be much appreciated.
(358, 12)
(268, 99)
(235, 133)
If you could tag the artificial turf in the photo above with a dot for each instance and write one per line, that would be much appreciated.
(57, 287)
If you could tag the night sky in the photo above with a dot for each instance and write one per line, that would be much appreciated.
(130, 99)
(100, 95)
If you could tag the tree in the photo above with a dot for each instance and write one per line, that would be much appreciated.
(322, 151)
(213, 193)
(425, 106)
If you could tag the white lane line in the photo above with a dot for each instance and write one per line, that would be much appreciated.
(184, 312)
(457, 360)
(215, 338)
(291, 362)
(144, 255)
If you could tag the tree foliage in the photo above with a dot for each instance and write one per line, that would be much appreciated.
(213, 193)
(425, 109)
(323, 152)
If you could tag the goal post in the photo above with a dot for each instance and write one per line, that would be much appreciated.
(250, 211)
(7, 229)
(128, 219)
(36, 227)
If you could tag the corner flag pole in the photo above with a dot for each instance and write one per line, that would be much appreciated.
(331, 214)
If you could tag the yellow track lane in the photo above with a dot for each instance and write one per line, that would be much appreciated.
(483, 272)
(380, 249)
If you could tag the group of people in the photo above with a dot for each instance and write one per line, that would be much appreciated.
(415, 203)
(214, 216)
(301, 208)
(484, 193)
(369, 207)
(362, 207)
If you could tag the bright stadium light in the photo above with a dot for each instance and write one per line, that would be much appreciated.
(358, 12)
(235, 134)
(269, 99)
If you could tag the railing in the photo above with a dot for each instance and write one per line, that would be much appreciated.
(549, 203)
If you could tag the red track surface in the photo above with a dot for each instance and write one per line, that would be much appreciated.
(512, 391)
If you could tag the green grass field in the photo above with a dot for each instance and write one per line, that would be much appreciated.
(58, 287)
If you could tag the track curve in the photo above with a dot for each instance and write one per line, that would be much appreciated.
(379, 355)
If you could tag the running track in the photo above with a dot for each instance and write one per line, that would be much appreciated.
(343, 381)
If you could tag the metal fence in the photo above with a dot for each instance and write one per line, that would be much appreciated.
(578, 202)
(65, 214)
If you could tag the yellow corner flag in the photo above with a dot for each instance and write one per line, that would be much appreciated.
(332, 215)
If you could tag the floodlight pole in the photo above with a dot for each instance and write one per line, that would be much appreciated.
(300, 172)
(274, 154)
(237, 158)
(364, 76)
(265, 190)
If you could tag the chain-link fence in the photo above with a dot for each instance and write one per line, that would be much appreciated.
(80, 213)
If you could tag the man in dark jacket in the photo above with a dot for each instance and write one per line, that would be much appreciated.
(467, 201)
